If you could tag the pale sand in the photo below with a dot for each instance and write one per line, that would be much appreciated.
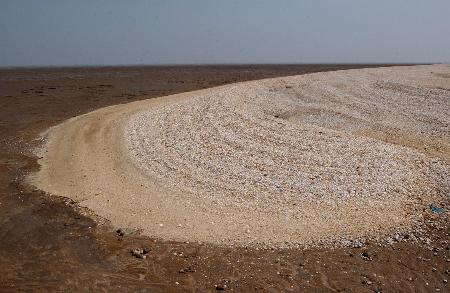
(294, 160)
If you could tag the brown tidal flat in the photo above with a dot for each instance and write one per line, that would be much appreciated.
(49, 244)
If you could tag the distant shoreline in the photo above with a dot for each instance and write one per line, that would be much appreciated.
(189, 65)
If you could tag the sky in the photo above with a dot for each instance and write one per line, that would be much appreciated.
(118, 32)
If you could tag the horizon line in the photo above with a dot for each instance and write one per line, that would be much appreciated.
(210, 64)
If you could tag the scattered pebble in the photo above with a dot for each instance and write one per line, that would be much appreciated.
(366, 256)
(140, 253)
(221, 287)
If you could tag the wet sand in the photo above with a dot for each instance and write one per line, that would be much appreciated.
(78, 253)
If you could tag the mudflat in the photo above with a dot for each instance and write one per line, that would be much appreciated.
(90, 254)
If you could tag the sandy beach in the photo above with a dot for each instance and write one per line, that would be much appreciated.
(283, 162)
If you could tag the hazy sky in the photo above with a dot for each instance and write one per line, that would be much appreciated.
(90, 32)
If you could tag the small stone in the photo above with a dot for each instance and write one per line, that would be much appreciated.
(410, 279)
(433, 269)
(221, 287)
(357, 244)
(139, 253)
(186, 270)
(366, 256)
(125, 231)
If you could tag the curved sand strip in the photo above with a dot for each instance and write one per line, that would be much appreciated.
(284, 161)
